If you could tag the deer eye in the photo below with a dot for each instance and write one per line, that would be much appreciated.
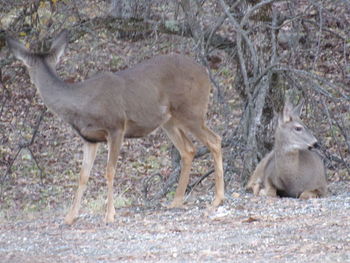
(298, 128)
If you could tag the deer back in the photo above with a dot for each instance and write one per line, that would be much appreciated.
(140, 99)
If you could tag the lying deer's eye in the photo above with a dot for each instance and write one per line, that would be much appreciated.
(298, 128)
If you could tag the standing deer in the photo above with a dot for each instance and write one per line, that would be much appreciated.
(291, 169)
(171, 92)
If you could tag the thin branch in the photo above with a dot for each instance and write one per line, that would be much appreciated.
(213, 30)
(318, 78)
(332, 132)
(317, 53)
(27, 145)
(198, 181)
(250, 11)
(336, 34)
(241, 33)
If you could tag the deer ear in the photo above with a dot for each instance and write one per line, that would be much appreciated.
(287, 112)
(298, 109)
(19, 50)
(59, 44)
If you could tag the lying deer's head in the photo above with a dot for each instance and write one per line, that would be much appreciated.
(291, 131)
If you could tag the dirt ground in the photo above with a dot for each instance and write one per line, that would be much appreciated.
(244, 229)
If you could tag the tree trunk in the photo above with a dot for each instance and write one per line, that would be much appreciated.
(130, 9)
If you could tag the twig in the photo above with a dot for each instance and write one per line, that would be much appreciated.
(198, 181)
(316, 77)
(329, 117)
(147, 182)
(241, 33)
(27, 145)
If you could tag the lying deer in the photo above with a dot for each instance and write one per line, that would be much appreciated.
(291, 169)
(171, 92)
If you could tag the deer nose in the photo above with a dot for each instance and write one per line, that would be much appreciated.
(315, 145)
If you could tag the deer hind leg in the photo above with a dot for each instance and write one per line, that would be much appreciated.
(213, 142)
(89, 150)
(187, 152)
(114, 142)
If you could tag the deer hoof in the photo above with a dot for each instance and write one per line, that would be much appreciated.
(109, 219)
(69, 220)
(217, 201)
(176, 203)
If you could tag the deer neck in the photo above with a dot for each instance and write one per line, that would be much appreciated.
(284, 155)
(53, 90)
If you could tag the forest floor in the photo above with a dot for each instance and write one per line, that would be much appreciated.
(244, 229)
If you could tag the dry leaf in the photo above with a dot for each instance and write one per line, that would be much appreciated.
(250, 220)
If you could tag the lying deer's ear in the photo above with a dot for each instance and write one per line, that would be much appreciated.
(298, 109)
(59, 44)
(287, 112)
(19, 50)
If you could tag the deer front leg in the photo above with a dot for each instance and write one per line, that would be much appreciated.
(89, 150)
(308, 194)
(256, 188)
(269, 189)
(114, 143)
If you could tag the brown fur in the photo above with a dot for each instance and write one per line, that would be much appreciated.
(171, 92)
(291, 169)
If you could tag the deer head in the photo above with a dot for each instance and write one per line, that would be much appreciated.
(291, 131)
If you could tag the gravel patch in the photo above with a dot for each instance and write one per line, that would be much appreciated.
(244, 229)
